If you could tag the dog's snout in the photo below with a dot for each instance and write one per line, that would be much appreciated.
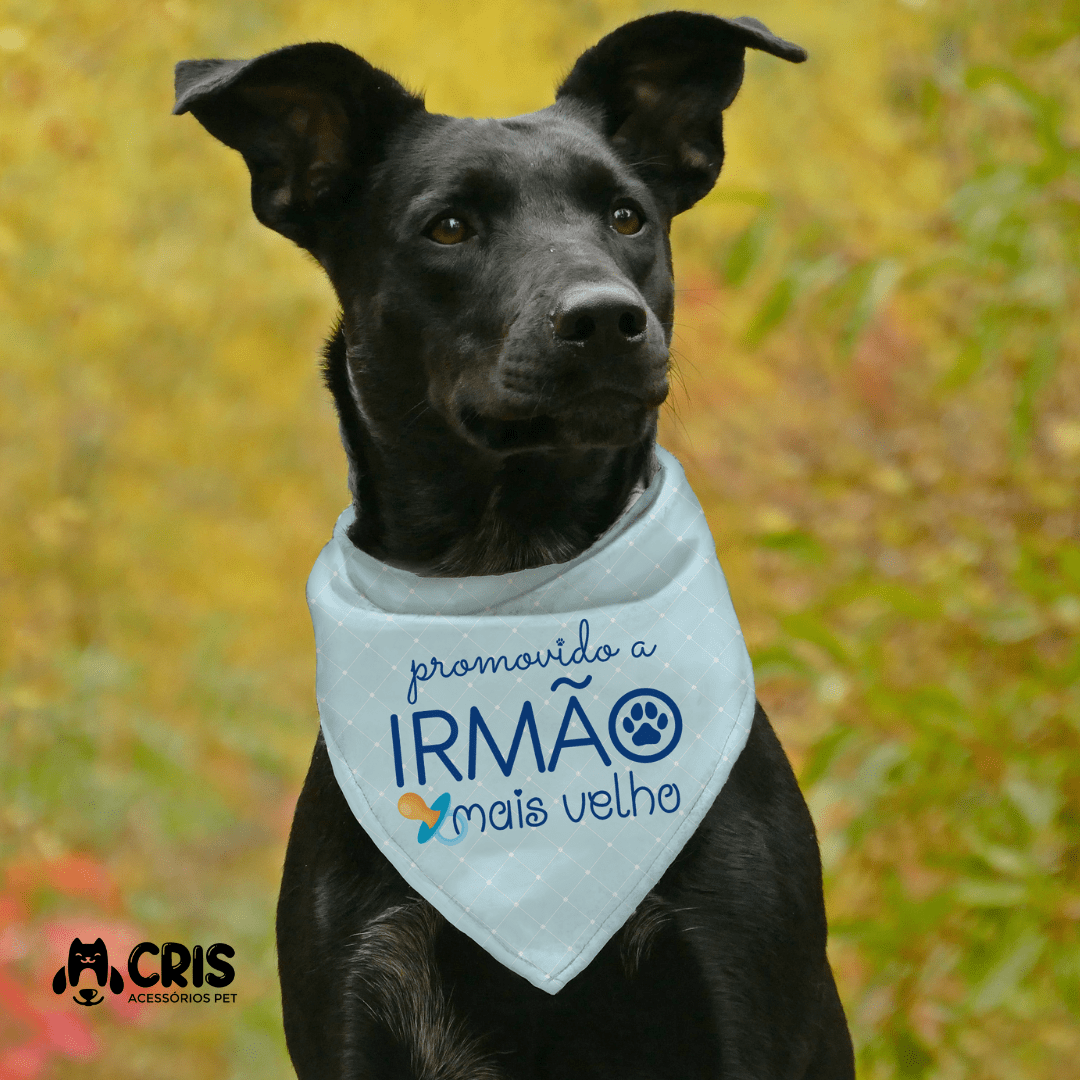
(605, 316)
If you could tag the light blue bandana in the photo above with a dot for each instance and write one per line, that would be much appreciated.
(531, 751)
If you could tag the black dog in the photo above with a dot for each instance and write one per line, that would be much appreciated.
(507, 301)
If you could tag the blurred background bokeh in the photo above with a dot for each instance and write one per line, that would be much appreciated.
(878, 403)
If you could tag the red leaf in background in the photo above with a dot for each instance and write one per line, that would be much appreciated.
(16, 1002)
(79, 875)
(72, 875)
(26, 1061)
(69, 1034)
(11, 909)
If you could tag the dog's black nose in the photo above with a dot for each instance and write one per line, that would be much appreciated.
(604, 316)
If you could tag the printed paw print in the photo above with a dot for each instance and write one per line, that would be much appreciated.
(646, 734)
(649, 722)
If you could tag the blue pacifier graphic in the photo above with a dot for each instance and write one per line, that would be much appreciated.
(645, 725)
(431, 818)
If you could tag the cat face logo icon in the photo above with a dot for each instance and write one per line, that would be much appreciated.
(94, 957)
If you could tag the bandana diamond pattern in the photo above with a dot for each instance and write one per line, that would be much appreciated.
(532, 750)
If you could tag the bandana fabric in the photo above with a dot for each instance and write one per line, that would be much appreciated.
(532, 750)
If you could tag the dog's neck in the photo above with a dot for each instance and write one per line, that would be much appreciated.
(428, 501)
(460, 514)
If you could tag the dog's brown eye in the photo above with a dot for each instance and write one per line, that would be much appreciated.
(450, 230)
(626, 220)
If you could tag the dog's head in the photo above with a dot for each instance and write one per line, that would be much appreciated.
(505, 284)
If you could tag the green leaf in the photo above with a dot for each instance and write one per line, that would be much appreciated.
(1014, 965)
(1034, 375)
(746, 251)
(797, 542)
(1039, 803)
(1068, 560)
(777, 661)
(913, 1060)
(810, 627)
(880, 280)
(772, 311)
(823, 753)
(980, 893)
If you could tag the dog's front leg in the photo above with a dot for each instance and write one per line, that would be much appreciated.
(334, 884)
(362, 995)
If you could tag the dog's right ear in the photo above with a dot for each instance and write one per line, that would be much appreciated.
(310, 121)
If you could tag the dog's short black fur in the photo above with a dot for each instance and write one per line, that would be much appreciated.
(507, 298)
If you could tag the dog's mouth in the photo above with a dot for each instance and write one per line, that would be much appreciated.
(599, 418)
(504, 436)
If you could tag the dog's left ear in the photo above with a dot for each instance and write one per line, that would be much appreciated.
(311, 121)
(661, 85)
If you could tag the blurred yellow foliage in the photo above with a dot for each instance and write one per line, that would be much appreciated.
(877, 349)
